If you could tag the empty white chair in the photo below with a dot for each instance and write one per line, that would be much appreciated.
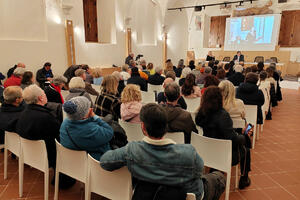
(216, 154)
(115, 185)
(177, 137)
(133, 131)
(72, 163)
(34, 153)
(251, 117)
(157, 88)
(13, 144)
(192, 104)
(148, 97)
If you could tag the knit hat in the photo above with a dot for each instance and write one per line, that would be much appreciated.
(77, 108)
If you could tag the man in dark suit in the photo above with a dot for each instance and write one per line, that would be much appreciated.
(239, 57)
(128, 58)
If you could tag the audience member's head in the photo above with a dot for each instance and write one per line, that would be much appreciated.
(135, 71)
(110, 85)
(22, 65)
(76, 82)
(180, 63)
(207, 70)
(211, 63)
(188, 85)
(254, 68)
(96, 72)
(231, 64)
(85, 67)
(27, 78)
(150, 66)
(273, 66)
(270, 72)
(33, 94)
(211, 80)
(228, 93)
(172, 92)
(47, 66)
(59, 80)
(169, 66)
(117, 75)
(125, 68)
(154, 120)
(80, 73)
(221, 74)
(13, 95)
(247, 70)
(158, 69)
(143, 63)
(77, 108)
(132, 63)
(217, 62)
(167, 81)
(171, 74)
(185, 72)
(19, 71)
(131, 93)
(251, 77)
(227, 67)
(263, 75)
(260, 66)
(238, 68)
(211, 101)
(191, 63)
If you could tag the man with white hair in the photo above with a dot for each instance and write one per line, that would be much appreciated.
(237, 78)
(201, 77)
(15, 79)
(157, 78)
(129, 57)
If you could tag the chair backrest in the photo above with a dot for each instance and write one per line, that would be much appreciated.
(133, 131)
(238, 123)
(152, 88)
(192, 104)
(34, 153)
(259, 59)
(114, 185)
(148, 97)
(274, 59)
(251, 114)
(12, 142)
(216, 153)
(226, 59)
(177, 137)
(71, 162)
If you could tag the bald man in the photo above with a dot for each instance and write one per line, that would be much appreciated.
(11, 70)
(161, 98)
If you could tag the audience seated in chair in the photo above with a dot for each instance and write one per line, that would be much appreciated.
(161, 97)
(237, 78)
(159, 160)
(97, 76)
(209, 81)
(27, 79)
(131, 104)
(221, 75)
(200, 79)
(184, 73)
(179, 68)
(189, 88)
(216, 123)
(157, 78)
(44, 75)
(10, 110)
(88, 75)
(121, 84)
(125, 72)
(88, 86)
(179, 120)
(136, 79)
(150, 69)
(15, 79)
(53, 91)
(11, 70)
(249, 93)
(83, 130)
(108, 102)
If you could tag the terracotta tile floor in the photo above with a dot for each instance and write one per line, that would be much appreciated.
(275, 163)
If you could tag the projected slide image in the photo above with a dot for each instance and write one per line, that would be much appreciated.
(247, 31)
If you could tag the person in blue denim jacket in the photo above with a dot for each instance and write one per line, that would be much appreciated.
(159, 160)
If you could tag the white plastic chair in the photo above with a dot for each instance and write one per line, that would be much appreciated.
(251, 117)
(148, 97)
(133, 131)
(13, 144)
(115, 185)
(192, 104)
(177, 137)
(34, 153)
(216, 154)
(152, 88)
(72, 163)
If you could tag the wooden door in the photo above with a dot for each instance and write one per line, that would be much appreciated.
(286, 28)
(90, 20)
(222, 28)
(295, 41)
(214, 31)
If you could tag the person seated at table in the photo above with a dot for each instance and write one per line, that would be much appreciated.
(209, 56)
(158, 161)
(189, 88)
(239, 57)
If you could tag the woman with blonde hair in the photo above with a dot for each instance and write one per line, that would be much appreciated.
(108, 102)
(97, 75)
(169, 67)
(235, 107)
(131, 104)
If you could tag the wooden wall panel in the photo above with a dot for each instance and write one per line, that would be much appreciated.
(70, 42)
(214, 31)
(90, 20)
(289, 29)
(296, 31)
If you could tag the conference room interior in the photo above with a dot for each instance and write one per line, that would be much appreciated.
(102, 33)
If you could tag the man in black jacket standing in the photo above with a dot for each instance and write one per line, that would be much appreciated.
(44, 75)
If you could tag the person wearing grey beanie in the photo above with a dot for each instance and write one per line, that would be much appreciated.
(83, 130)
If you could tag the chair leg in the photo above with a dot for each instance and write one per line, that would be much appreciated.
(227, 186)
(5, 163)
(237, 176)
(257, 131)
(56, 184)
(253, 138)
(46, 184)
(21, 176)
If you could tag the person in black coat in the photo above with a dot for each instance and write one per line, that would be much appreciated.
(239, 57)
(136, 79)
(53, 91)
(210, 57)
(11, 70)
(192, 65)
(44, 75)
(237, 78)
(157, 78)
(216, 123)
(70, 72)
(249, 93)
(10, 110)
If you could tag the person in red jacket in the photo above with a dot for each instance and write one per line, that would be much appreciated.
(15, 79)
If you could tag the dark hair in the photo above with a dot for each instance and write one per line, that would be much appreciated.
(85, 67)
(231, 64)
(27, 78)
(270, 71)
(192, 62)
(188, 85)
(260, 66)
(47, 64)
(227, 66)
(263, 75)
(211, 80)
(171, 74)
(154, 118)
(254, 68)
(221, 74)
(247, 70)
(150, 66)
(211, 100)
(135, 71)
(217, 62)
(251, 77)
(172, 92)
(211, 63)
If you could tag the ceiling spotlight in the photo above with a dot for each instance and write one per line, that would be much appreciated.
(198, 8)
